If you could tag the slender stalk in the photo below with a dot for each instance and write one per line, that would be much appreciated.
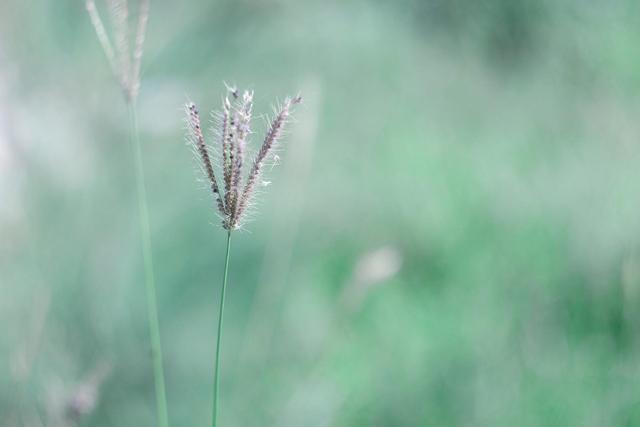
(216, 379)
(145, 236)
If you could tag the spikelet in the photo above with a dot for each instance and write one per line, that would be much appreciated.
(224, 138)
(242, 130)
(235, 128)
(195, 131)
(125, 61)
(270, 141)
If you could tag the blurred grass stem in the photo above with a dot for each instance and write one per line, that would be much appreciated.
(145, 236)
(216, 379)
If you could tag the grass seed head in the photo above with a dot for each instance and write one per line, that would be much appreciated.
(235, 128)
(125, 61)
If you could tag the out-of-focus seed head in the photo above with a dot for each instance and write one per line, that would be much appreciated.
(125, 61)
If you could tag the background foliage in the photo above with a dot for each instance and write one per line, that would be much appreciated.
(492, 145)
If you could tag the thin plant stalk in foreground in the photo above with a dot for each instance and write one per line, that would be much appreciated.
(125, 64)
(234, 199)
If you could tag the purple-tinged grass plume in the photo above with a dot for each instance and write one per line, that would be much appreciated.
(233, 131)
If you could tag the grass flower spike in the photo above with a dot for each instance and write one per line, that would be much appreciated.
(233, 131)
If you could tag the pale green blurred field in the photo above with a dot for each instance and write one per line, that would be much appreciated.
(493, 147)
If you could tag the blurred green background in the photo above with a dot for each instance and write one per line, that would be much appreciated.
(452, 237)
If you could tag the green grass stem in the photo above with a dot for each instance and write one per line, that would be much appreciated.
(152, 306)
(216, 379)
